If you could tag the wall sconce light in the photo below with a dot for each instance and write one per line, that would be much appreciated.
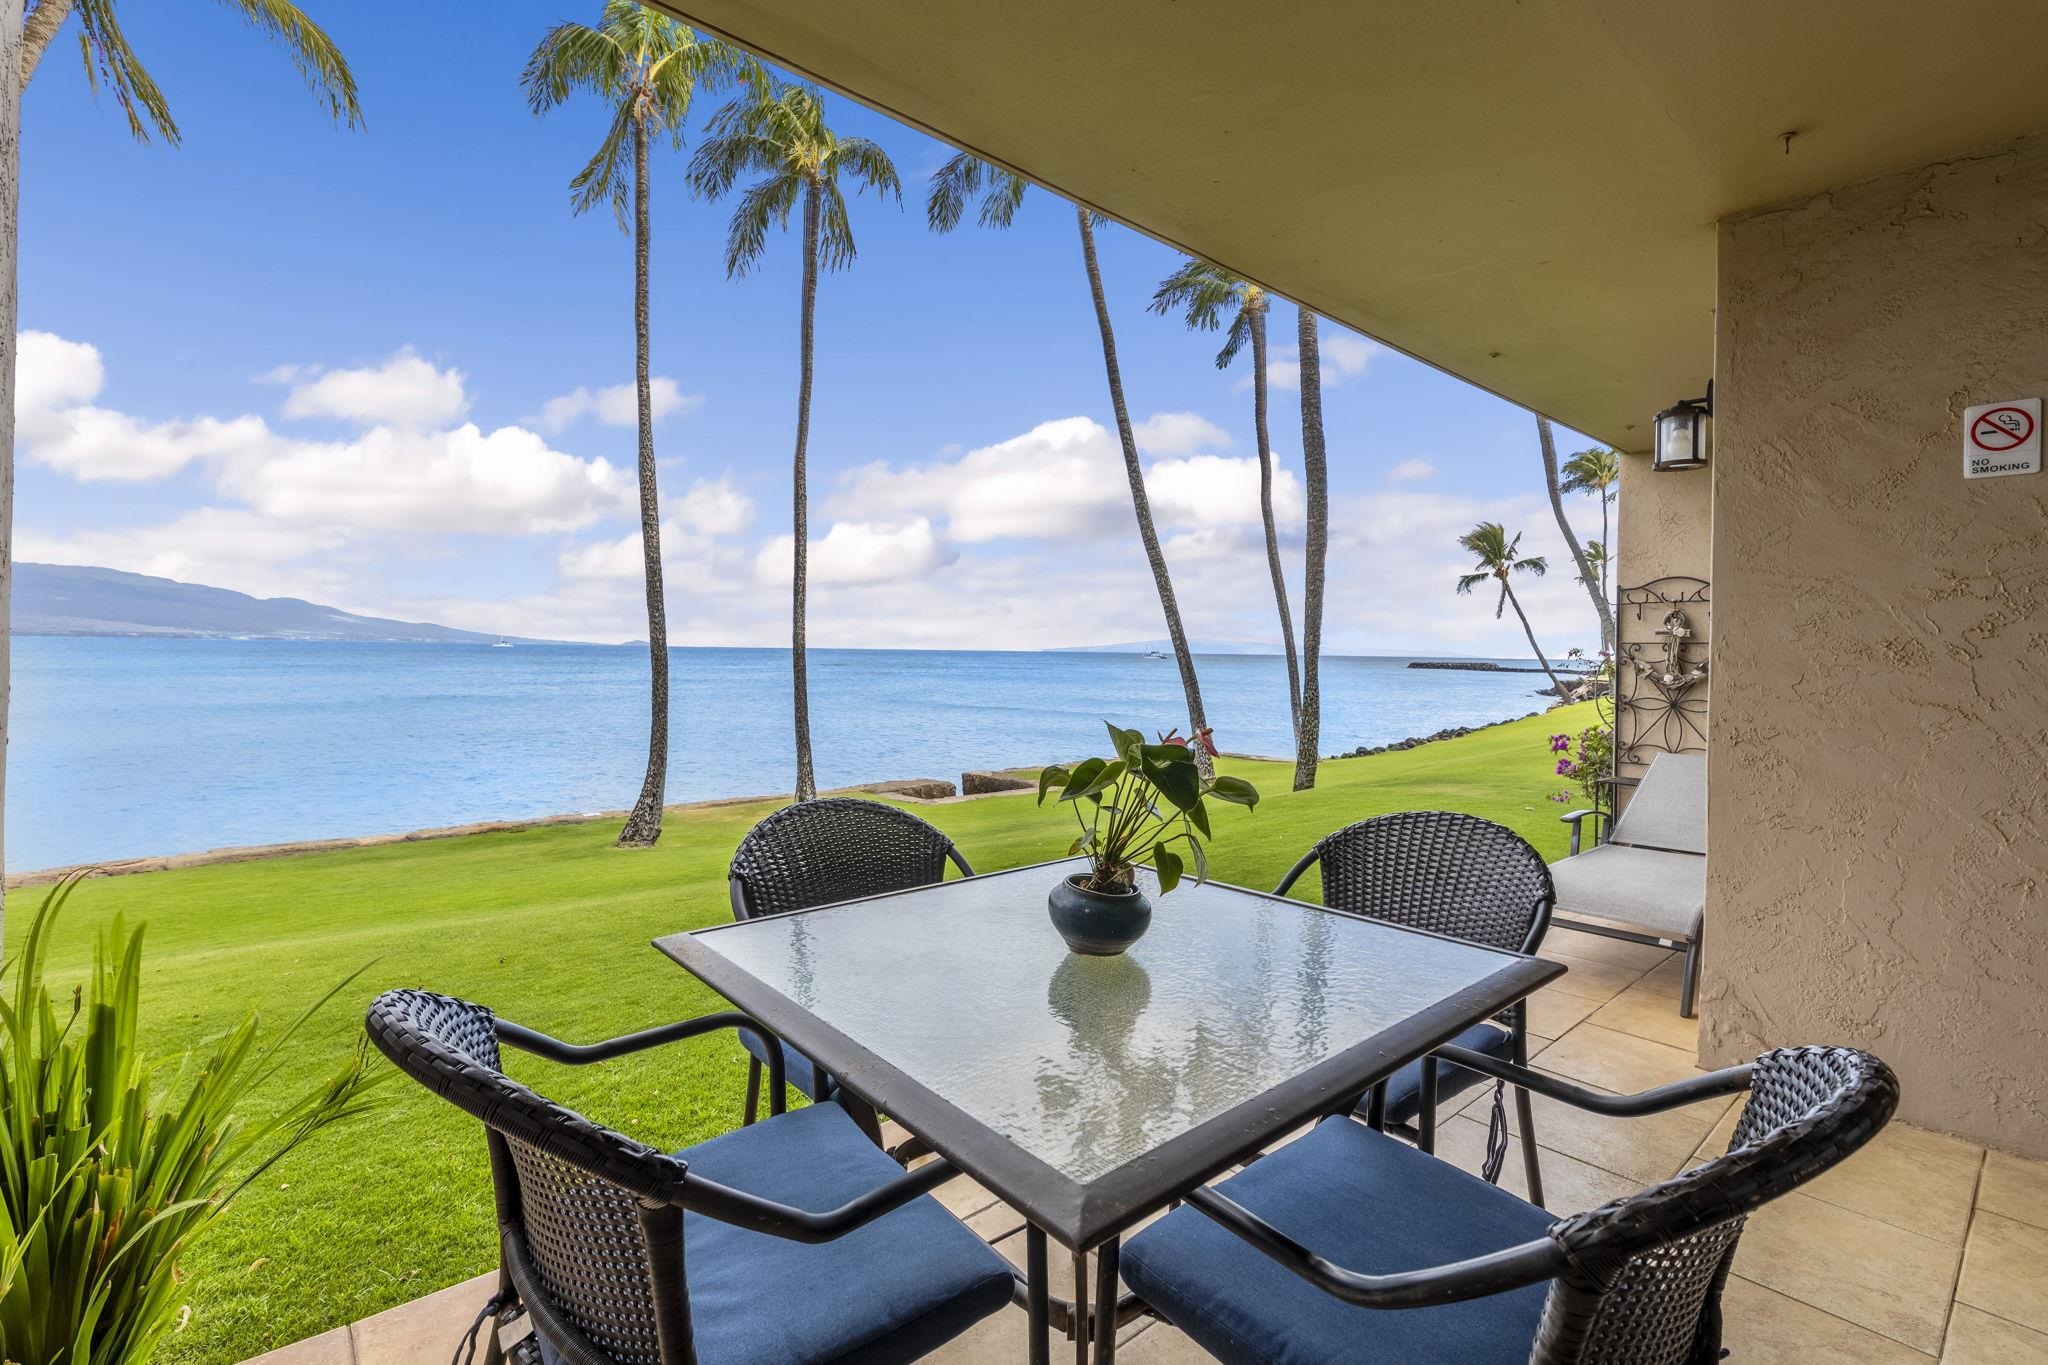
(1685, 433)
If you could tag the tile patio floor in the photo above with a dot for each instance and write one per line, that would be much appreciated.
(1919, 1248)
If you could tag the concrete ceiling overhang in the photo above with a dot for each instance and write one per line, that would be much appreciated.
(1523, 194)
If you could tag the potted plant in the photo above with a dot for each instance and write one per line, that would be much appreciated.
(1143, 805)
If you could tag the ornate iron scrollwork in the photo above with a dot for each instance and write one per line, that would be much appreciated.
(1658, 675)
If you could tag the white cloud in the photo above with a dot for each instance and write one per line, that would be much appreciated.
(1179, 433)
(715, 508)
(1345, 355)
(50, 372)
(618, 405)
(1412, 470)
(220, 547)
(503, 482)
(858, 552)
(1062, 480)
(404, 391)
(1214, 490)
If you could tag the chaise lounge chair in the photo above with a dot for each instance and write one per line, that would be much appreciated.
(1650, 873)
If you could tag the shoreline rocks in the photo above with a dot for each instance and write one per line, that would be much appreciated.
(1449, 732)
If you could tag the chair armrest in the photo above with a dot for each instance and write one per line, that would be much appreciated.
(751, 1211)
(1497, 1272)
(583, 1054)
(1576, 819)
(1729, 1081)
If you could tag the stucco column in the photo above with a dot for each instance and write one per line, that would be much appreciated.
(1878, 777)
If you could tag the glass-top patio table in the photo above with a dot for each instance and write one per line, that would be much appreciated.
(1091, 1092)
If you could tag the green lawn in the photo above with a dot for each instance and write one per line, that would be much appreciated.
(551, 927)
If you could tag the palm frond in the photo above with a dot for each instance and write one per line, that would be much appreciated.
(1202, 293)
(1534, 564)
(608, 176)
(313, 54)
(1234, 341)
(1467, 582)
(763, 206)
(836, 249)
(965, 177)
(572, 57)
(108, 59)
(869, 165)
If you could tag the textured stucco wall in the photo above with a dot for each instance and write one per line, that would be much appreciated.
(1878, 779)
(1664, 518)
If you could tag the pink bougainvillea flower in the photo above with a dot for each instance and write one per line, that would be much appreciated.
(1560, 743)
(1567, 768)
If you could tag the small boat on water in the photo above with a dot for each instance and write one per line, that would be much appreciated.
(502, 644)
(1154, 654)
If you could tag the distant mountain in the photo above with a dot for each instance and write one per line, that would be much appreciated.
(1240, 647)
(67, 599)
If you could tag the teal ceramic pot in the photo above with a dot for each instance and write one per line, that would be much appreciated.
(1095, 923)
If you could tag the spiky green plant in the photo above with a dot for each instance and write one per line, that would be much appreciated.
(112, 1163)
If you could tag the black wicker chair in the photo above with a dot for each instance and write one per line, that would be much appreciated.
(1300, 1256)
(815, 853)
(806, 1243)
(1461, 876)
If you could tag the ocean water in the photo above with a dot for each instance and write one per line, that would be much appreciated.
(134, 747)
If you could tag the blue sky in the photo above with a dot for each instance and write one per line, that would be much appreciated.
(367, 368)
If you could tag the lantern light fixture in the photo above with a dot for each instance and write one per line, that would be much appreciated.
(1684, 434)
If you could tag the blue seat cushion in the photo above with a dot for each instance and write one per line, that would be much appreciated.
(1404, 1087)
(797, 1069)
(893, 1290)
(1368, 1203)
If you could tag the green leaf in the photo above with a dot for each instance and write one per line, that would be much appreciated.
(1103, 781)
(1127, 743)
(1082, 777)
(1053, 775)
(1179, 783)
(1168, 864)
(1235, 790)
(1201, 860)
(1198, 816)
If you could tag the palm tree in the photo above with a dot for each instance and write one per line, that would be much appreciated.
(1571, 538)
(1489, 543)
(1315, 476)
(967, 177)
(1596, 558)
(1594, 471)
(1203, 293)
(779, 132)
(647, 67)
(108, 57)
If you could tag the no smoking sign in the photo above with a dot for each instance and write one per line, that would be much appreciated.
(2002, 438)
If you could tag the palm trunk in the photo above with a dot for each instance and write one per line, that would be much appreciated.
(36, 32)
(1556, 687)
(1258, 320)
(1571, 539)
(12, 77)
(643, 825)
(1606, 556)
(806, 782)
(1315, 474)
(1141, 504)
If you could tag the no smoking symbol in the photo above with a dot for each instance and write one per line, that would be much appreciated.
(2001, 429)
